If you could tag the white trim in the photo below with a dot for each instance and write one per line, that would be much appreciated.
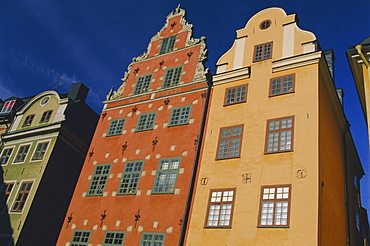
(36, 130)
(7, 147)
(297, 61)
(222, 78)
(288, 40)
(47, 148)
(19, 186)
(28, 151)
(239, 52)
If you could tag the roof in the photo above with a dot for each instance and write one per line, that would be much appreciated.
(366, 41)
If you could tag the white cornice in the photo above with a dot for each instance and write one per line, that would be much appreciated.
(38, 130)
(296, 61)
(234, 75)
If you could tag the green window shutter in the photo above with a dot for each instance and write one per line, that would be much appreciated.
(99, 180)
(172, 76)
(166, 175)
(143, 83)
(116, 127)
(156, 239)
(167, 45)
(130, 178)
(180, 116)
(146, 121)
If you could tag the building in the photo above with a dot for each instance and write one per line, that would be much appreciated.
(43, 145)
(136, 180)
(278, 158)
(359, 61)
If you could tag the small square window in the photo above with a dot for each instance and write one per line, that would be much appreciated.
(99, 180)
(7, 152)
(155, 239)
(113, 238)
(167, 45)
(172, 76)
(22, 195)
(5, 191)
(279, 135)
(116, 127)
(146, 122)
(166, 176)
(28, 120)
(22, 153)
(80, 238)
(274, 206)
(143, 83)
(229, 142)
(40, 151)
(282, 85)
(237, 94)
(180, 116)
(130, 178)
(46, 116)
(220, 208)
(262, 52)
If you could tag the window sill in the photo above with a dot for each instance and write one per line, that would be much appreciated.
(178, 125)
(280, 94)
(273, 226)
(217, 227)
(276, 152)
(227, 158)
(229, 104)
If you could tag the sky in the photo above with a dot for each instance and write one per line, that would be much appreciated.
(93, 41)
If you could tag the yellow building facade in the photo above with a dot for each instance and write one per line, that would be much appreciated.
(272, 170)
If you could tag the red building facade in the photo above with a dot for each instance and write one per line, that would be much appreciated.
(136, 183)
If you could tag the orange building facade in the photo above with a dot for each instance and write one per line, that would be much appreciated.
(135, 183)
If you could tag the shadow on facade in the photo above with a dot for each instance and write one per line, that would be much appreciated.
(6, 230)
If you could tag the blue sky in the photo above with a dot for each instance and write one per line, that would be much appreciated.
(93, 41)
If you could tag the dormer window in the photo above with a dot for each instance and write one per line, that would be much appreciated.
(7, 107)
(46, 116)
(28, 120)
(167, 45)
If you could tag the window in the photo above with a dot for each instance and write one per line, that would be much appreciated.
(142, 84)
(46, 116)
(166, 177)
(21, 197)
(5, 156)
(220, 208)
(146, 122)
(22, 153)
(114, 238)
(275, 205)
(80, 238)
(99, 180)
(265, 24)
(7, 107)
(28, 120)
(130, 177)
(262, 52)
(167, 45)
(279, 135)
(152, 239)
(229, 142)
(236, 94)
(40, 151)
(172, 76)
(282, 85)
(180, 116)
(116, 127)
(5, 191)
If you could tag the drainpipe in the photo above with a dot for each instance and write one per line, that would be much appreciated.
(196, 163)
(347, 194)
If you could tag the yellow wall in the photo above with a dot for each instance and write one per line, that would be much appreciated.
(267, 169)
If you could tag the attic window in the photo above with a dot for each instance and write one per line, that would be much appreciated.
(8, 105)
(265, 24)
(45, 100)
